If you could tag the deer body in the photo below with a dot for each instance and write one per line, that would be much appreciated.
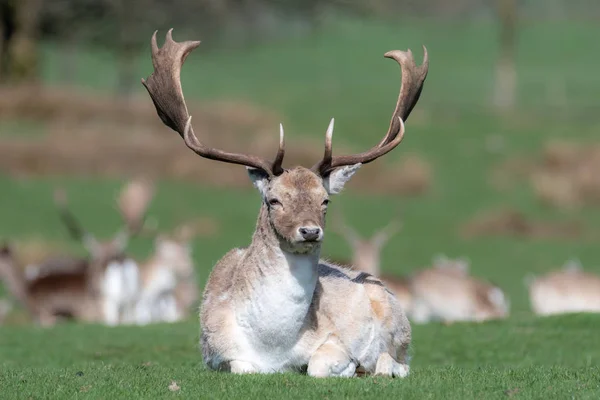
(273, 309)
(119, 290)
(53, 295)
(273, 306)
(569, 290)
(168, 281)
(449, 294)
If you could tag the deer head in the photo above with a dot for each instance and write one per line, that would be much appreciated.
(294, 200)
(133, 202)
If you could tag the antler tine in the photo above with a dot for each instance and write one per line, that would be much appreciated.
(387, 232)
(164, 87)
(413, 78)
(73, 226)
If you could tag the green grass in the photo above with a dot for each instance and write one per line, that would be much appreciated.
(524, 358)
(340, 72)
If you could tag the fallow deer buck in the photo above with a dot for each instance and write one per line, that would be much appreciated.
(366, 256)
(111, 273)
(567, 290)
(447, 292)
(274, 306)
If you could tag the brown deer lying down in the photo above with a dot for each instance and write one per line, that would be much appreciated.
(274, 306)
(366, 256)
(567, 290)
(91, 289)
(448, 293)
(51, 296)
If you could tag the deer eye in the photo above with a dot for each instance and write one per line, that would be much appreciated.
(274, 202)
(325, 203)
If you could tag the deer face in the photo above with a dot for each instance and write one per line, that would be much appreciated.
(296, 203)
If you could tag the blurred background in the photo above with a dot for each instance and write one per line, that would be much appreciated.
(500, 161)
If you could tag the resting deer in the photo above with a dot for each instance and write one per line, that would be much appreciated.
(84, 289)
(274, 306)
(48, 297)
(567, 290)
(448, 293)
(112, 274)
(168, 287)
(366, 256)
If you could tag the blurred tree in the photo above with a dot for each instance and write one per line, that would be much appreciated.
(6, 32)
(506, 73)
(19, 57)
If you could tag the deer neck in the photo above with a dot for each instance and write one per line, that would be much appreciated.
(367, 263)
(279, 288)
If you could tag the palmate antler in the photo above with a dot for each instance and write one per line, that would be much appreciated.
(413, 78)
(164, 87)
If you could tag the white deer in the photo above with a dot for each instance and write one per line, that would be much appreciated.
(274, 306)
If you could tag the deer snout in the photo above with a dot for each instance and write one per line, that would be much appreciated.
(311, 233)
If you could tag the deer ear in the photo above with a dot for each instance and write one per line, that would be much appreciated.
(260, 179)
(335, 181)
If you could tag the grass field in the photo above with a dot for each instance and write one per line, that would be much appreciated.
(341, 72)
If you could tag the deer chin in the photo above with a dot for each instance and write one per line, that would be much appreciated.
(300, 247)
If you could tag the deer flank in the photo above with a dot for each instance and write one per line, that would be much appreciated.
(567, 290)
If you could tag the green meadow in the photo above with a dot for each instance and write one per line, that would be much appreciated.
(340, 72)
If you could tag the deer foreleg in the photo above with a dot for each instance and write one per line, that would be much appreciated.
(331, 359)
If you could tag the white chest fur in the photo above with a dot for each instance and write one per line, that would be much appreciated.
(272, 319)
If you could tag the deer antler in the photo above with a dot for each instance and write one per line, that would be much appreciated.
(387, 232)
(73, 225)
(133, 203)
(413, 78)
(164, 87)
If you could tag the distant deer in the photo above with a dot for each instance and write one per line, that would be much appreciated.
(50, 296)
(567, 290)
(448, 293)
(366, 256)
(274, 306)
(117, 276)
(168, 287)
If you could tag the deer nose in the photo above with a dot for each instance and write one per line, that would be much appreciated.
(310, 233)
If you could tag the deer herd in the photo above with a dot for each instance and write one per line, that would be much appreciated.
(276, 304)
(108, 286)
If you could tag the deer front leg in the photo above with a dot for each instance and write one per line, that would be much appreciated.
(387, 366)
(331, 359)
(241, 367)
